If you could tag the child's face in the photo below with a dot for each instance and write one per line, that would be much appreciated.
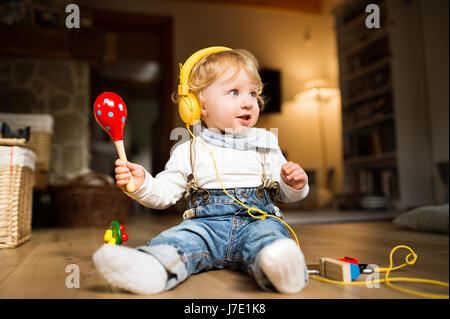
(230, 106)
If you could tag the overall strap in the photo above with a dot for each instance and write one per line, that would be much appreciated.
(192, 155)
(192, 181)
(272, 186)
(264, 175)
(192, 184)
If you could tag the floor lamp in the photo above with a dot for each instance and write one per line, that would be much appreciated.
(322, 92)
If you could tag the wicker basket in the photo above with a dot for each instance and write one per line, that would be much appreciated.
(41, 144)
(81, 204)
(16, 194)
(40, 140)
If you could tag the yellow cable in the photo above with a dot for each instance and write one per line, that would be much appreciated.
(388, 280)
(387, 270)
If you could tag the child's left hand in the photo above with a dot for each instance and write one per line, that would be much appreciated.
(293, 175)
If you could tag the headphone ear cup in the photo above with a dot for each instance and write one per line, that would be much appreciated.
(189, 109)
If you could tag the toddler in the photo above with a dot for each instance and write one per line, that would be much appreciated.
(216, 232)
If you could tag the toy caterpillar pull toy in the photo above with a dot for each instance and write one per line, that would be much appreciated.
(110, 113)
(115, 234)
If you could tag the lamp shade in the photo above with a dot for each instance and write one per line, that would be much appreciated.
(320, 89)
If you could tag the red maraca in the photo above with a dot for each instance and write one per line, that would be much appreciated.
(111, 114)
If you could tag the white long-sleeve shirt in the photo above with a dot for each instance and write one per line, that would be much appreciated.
(236, 168)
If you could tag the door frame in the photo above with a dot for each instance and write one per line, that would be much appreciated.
(115, 21)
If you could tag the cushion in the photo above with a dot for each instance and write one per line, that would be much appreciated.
(425, 218)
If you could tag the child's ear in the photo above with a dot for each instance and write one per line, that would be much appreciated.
(204, 110)
(201, 102)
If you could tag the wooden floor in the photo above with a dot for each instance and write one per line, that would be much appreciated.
(37, 269)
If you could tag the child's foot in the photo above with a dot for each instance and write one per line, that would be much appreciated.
(284, 265)
(130, 269)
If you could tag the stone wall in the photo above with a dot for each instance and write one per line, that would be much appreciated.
(59, 88)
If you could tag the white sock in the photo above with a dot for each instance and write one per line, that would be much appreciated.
(130, 269)
(284, 265)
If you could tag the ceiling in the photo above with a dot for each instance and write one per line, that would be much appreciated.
(299, 6)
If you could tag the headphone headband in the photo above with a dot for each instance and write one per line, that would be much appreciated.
(188, 106)
(183, 88)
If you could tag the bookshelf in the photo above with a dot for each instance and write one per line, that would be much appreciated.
(383, 103)
(368, 121)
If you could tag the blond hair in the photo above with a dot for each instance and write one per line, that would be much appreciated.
(214, 65)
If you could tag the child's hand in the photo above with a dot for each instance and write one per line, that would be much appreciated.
(123, 174)
(293, 175)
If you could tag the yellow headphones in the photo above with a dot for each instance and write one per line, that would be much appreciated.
(188, 105)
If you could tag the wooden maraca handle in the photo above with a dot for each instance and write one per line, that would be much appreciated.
(123, 157)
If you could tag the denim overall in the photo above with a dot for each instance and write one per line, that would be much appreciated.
(218, 233)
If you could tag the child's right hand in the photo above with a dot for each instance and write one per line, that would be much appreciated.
(123, 174)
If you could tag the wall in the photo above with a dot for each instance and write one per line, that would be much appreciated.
(58, 88)
(277, 38)
(435, 33)
(419, 41)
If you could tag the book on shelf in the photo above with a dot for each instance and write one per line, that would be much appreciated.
(368, 83)
(374, 140)
(368, 55)
(367, 109)
(376, 147)
(376, 181)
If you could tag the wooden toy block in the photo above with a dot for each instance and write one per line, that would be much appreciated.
(335, 269)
